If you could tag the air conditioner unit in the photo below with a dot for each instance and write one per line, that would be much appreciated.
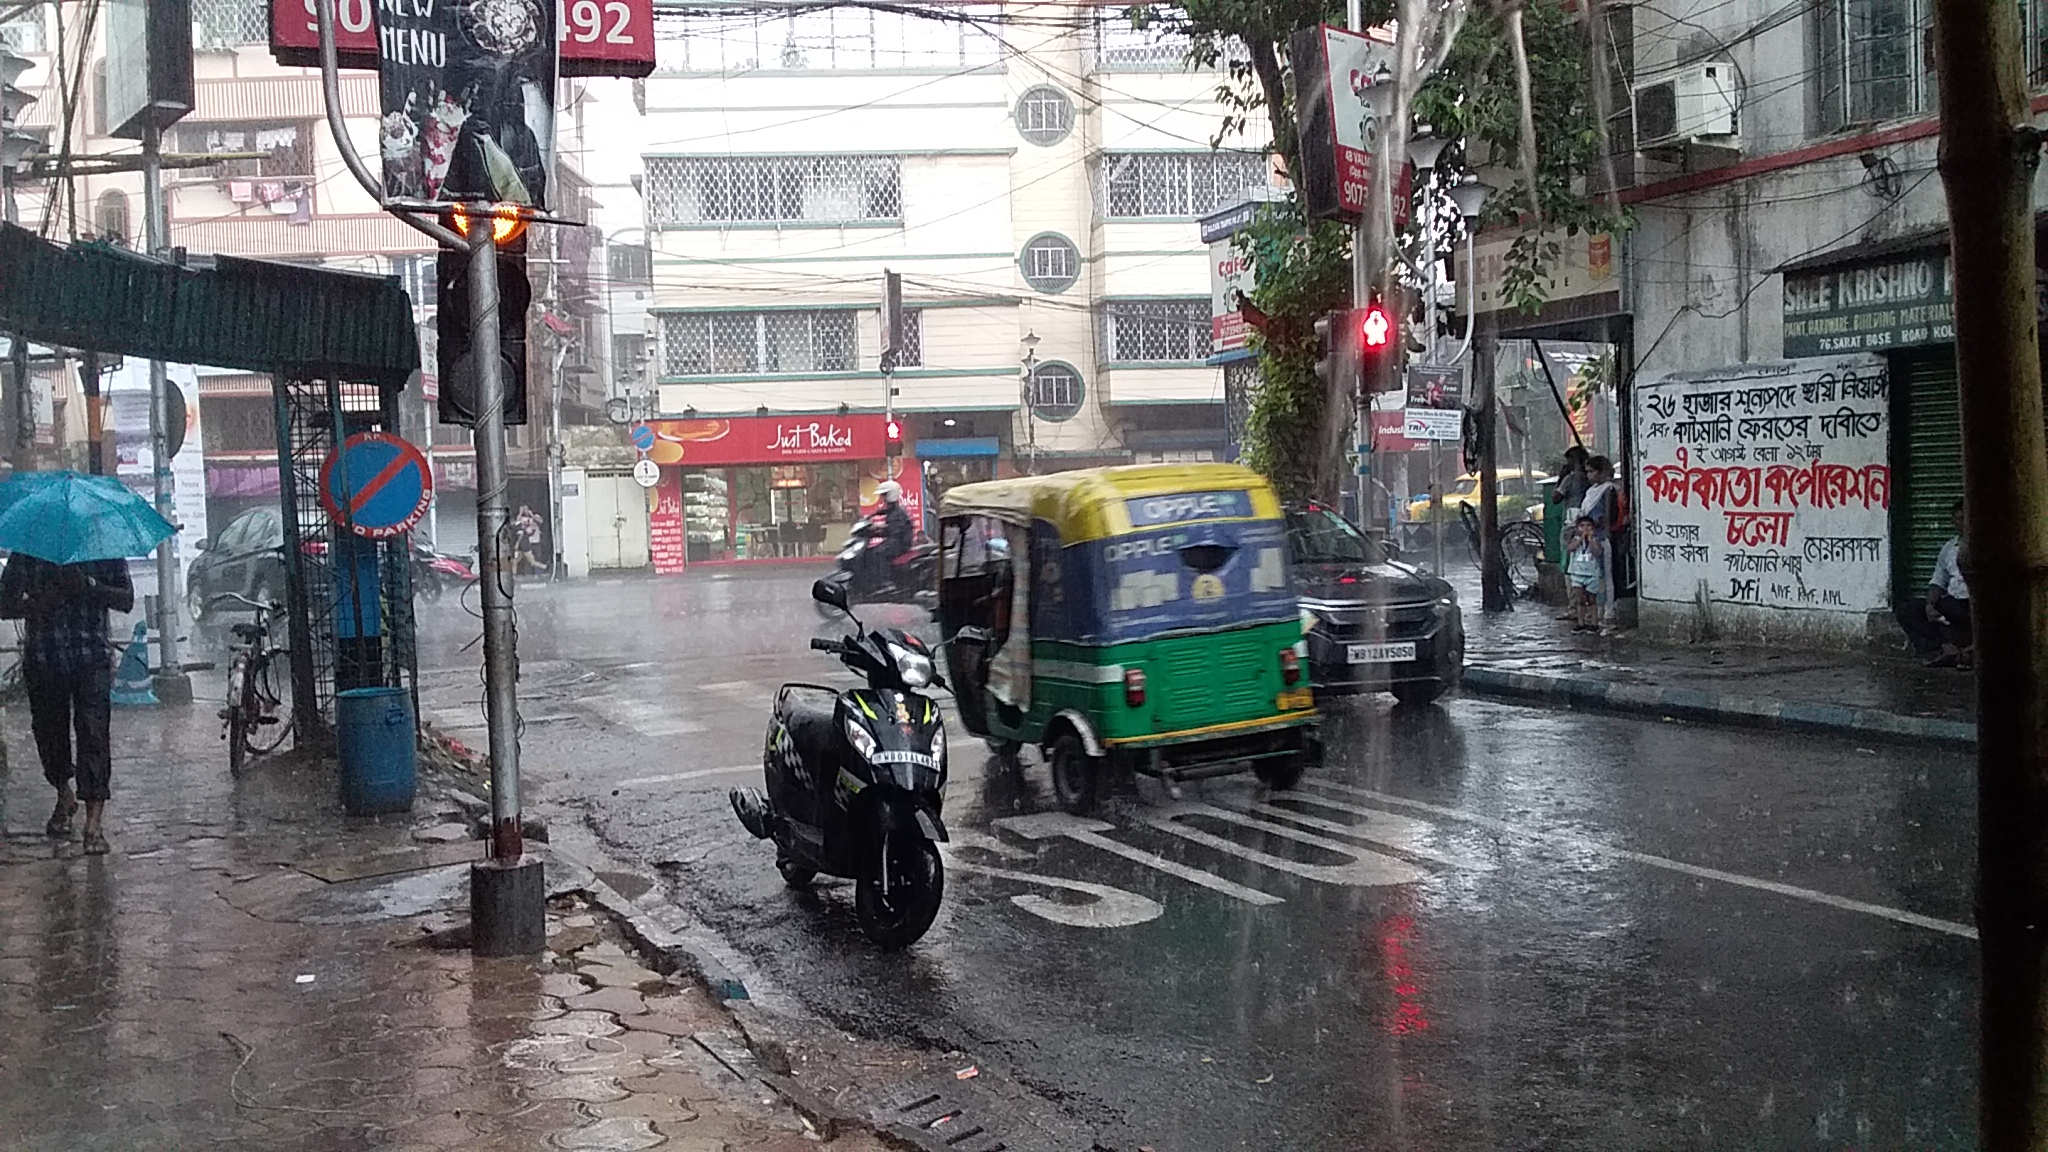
(1693, 104)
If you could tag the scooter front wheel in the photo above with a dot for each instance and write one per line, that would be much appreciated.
(917, 882)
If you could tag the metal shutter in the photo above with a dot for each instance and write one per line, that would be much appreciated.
(1927, 462)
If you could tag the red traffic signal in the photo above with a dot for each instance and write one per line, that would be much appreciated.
(1376, 329)
(893, 431)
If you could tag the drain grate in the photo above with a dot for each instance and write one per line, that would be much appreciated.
(938, 1121)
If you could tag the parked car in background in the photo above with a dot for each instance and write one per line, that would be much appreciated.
(1374, 624)
(246, 558)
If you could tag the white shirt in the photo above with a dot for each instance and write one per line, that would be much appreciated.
(1947, 577)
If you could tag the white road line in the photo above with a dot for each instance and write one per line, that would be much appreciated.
(1367, 869)
(1581, 843)
(1111, 908)
(1400, 833)
(678, 777)
(1047, 825)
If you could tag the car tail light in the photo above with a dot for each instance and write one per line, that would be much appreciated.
(1134, 686)
(1290, 667)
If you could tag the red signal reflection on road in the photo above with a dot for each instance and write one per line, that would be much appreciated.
(1395, 934)
(1376, 327)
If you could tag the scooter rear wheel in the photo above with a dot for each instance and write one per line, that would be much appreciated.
(917, 884)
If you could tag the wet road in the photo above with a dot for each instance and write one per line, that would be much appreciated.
(1481, 926)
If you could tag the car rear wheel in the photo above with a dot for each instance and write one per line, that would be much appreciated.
(1416, 693)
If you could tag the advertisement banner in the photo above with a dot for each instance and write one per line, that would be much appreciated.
(767, 440)
(1767, 485)
(665, 524)
(1357, 62)
(135, 462)
(1436, 399)
(468, 98)
(1230, 273)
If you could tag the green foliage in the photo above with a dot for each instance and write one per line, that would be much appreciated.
(1303, 272)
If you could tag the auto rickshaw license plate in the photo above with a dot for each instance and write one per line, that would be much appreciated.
(1296, 698)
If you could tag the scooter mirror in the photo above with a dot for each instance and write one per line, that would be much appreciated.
(829, 593)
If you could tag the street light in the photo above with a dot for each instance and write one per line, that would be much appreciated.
(1424, 149)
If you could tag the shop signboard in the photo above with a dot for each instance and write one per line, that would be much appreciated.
(1580, 275)
(1869, 307)
(1766, 485)
(768, 440)
(598, 37)
(468, 96)
(1337, 72)
(666, 543)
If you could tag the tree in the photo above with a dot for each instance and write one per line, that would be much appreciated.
(1293, 428)
(1989, 152)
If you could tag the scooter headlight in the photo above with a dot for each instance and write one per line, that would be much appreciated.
(914, 667)
(863, 742)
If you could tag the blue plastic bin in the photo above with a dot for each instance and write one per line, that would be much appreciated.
(379, 757)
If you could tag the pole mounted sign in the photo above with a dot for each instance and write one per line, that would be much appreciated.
(468, 94)
(378, 485)
(598, 37)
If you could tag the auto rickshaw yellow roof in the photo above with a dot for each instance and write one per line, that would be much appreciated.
(1088, 503)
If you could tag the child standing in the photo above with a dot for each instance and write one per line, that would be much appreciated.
(1585, 573)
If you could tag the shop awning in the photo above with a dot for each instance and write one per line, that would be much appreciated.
(251, 314)
(958, 447)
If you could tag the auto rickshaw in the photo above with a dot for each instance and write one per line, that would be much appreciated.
(1131, 619)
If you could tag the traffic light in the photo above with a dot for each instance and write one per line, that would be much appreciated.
(1336, 352)
(456, 361)
(894, 432)
(1380, 349)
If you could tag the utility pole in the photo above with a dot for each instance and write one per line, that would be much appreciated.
(1493, 589)
(1988, 157)
(172, 684)
(556, 453)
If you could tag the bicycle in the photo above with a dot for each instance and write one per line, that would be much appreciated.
(1521, 550)
(258, 715)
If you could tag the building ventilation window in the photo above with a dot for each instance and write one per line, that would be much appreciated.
(1044, 115)
(1050, 262)
(1177, 185)
(758, 343)
(1056, 392)
(1157, 331)
(110, 218)
(714, 191)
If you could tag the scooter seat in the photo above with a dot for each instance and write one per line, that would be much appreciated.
(807, 710)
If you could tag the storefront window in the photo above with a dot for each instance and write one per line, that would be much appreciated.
(769, 511)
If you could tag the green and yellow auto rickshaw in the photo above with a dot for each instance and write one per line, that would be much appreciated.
(1134, 619)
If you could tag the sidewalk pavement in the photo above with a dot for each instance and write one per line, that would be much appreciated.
(1528, 653)
(250, 969)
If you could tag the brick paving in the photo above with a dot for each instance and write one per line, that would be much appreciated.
(195, 989)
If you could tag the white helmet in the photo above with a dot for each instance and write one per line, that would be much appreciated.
(889, 491)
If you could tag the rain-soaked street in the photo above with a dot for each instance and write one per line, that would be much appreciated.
(1480, 926)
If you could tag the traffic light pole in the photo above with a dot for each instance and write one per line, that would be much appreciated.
(507, 893)
(173, 685)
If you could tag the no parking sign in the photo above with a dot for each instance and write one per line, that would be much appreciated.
(378, 485)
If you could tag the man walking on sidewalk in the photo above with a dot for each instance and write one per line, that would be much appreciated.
(1938, 625)
(66, 669)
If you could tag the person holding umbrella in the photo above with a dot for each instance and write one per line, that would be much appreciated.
(67, 534)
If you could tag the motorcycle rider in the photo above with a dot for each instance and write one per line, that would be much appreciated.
(897, 534)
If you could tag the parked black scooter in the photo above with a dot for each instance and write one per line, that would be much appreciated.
(854, 780)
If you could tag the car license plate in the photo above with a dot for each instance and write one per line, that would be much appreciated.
(1295, 699)
(1381, 653)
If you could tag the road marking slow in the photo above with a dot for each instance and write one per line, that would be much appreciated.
(1367, 869)
(1110, 908)
(679, 777)
(1401, 833)
(1048, 825)
(1581, 843)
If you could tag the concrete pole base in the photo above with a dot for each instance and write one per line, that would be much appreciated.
(172, 687)
(508, 907)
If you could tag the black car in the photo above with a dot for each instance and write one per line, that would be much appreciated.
(246, 558)
(1379, 625)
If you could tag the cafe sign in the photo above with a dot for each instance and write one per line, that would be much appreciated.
(1896, 303)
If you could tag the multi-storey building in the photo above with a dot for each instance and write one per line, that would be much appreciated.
(1033, 172)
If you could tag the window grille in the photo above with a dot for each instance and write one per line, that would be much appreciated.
(1871, 60)
(910, 341)
(1157, 331)
(717, 190)
(1044, 115)
(1051, 262)
(1056, 392)
(1178, 184)
(758, 343)
(826, 39)
(630, 265)
(24, 33)
(289, 147)
(228, 23)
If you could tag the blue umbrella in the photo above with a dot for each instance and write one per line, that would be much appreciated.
(69, 517)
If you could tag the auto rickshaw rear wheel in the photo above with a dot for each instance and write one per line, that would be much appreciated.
(1076, 776)
(1281, 772)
